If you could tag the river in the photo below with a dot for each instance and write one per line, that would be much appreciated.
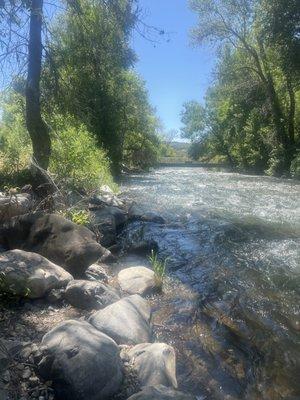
(230, 305)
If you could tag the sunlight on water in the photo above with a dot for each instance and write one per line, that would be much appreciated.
(231, 301)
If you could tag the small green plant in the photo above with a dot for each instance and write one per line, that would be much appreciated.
(79, 217)
(159, 268)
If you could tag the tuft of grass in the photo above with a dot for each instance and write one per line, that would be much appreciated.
(79, 217)
(159, 268)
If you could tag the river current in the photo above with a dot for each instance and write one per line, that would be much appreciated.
(231, 300)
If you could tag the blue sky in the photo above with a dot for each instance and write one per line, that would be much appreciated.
(174, 71)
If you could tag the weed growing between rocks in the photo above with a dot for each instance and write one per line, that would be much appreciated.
(159, 268)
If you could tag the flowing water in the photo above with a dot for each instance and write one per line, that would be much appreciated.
(230, 305)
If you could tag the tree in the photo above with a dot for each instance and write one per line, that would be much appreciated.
(236, 22)
(90, 50)
(193, 119)
(17, 45)
(37, 128)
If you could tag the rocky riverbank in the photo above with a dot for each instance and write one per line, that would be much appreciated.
(75, 321)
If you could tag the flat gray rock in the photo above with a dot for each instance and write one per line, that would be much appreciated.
(82, 362)
(29, 274)
(137, 280)
(155, 364)
(161, 393)
(127, 321)
(89, 295)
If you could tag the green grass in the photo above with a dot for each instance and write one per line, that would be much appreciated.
(159, 268)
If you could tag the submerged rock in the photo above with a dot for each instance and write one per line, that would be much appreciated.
(28, 274)
(89, 295)
(72, 246)
(155, 364)
(136, 213)
(161, 393)
(137, 280)
(82, 362)
(127, 321)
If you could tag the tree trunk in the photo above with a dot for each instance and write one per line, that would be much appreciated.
(280, 123)
(37, 128)
(292, 111)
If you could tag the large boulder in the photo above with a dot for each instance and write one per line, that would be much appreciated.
(161, 393)
(127, 321)
(28, 274)
(137, 280)
(82, 362)
(155, 364)
(72, 246)
(89, 295)
(12, 205)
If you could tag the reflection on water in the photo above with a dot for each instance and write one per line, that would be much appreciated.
(231, 301)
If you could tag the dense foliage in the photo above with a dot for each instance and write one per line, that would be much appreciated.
(251, 114)
(95, 106)
(76, 161)
(93, 82)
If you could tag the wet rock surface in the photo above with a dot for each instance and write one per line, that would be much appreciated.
(127, 321)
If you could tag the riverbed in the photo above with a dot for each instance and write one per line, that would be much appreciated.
(231, 300)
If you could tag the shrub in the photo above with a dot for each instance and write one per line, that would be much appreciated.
(76, 160)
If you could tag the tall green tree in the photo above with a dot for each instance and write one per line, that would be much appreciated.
(259, 57)
(237, 23)
(90, 52)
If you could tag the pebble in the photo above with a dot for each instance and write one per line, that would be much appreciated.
(26, 374)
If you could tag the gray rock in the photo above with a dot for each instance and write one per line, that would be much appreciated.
(97, 272)
(55, 296)
(155, 364)
(161, 393)
(28, 274)
(107, 221)
(69, 245)
(10, 206)
(82, 362)
(89, 295)
(136, 213)
(127, 321)
(106, 198)
(119, 215)
(137, 280)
